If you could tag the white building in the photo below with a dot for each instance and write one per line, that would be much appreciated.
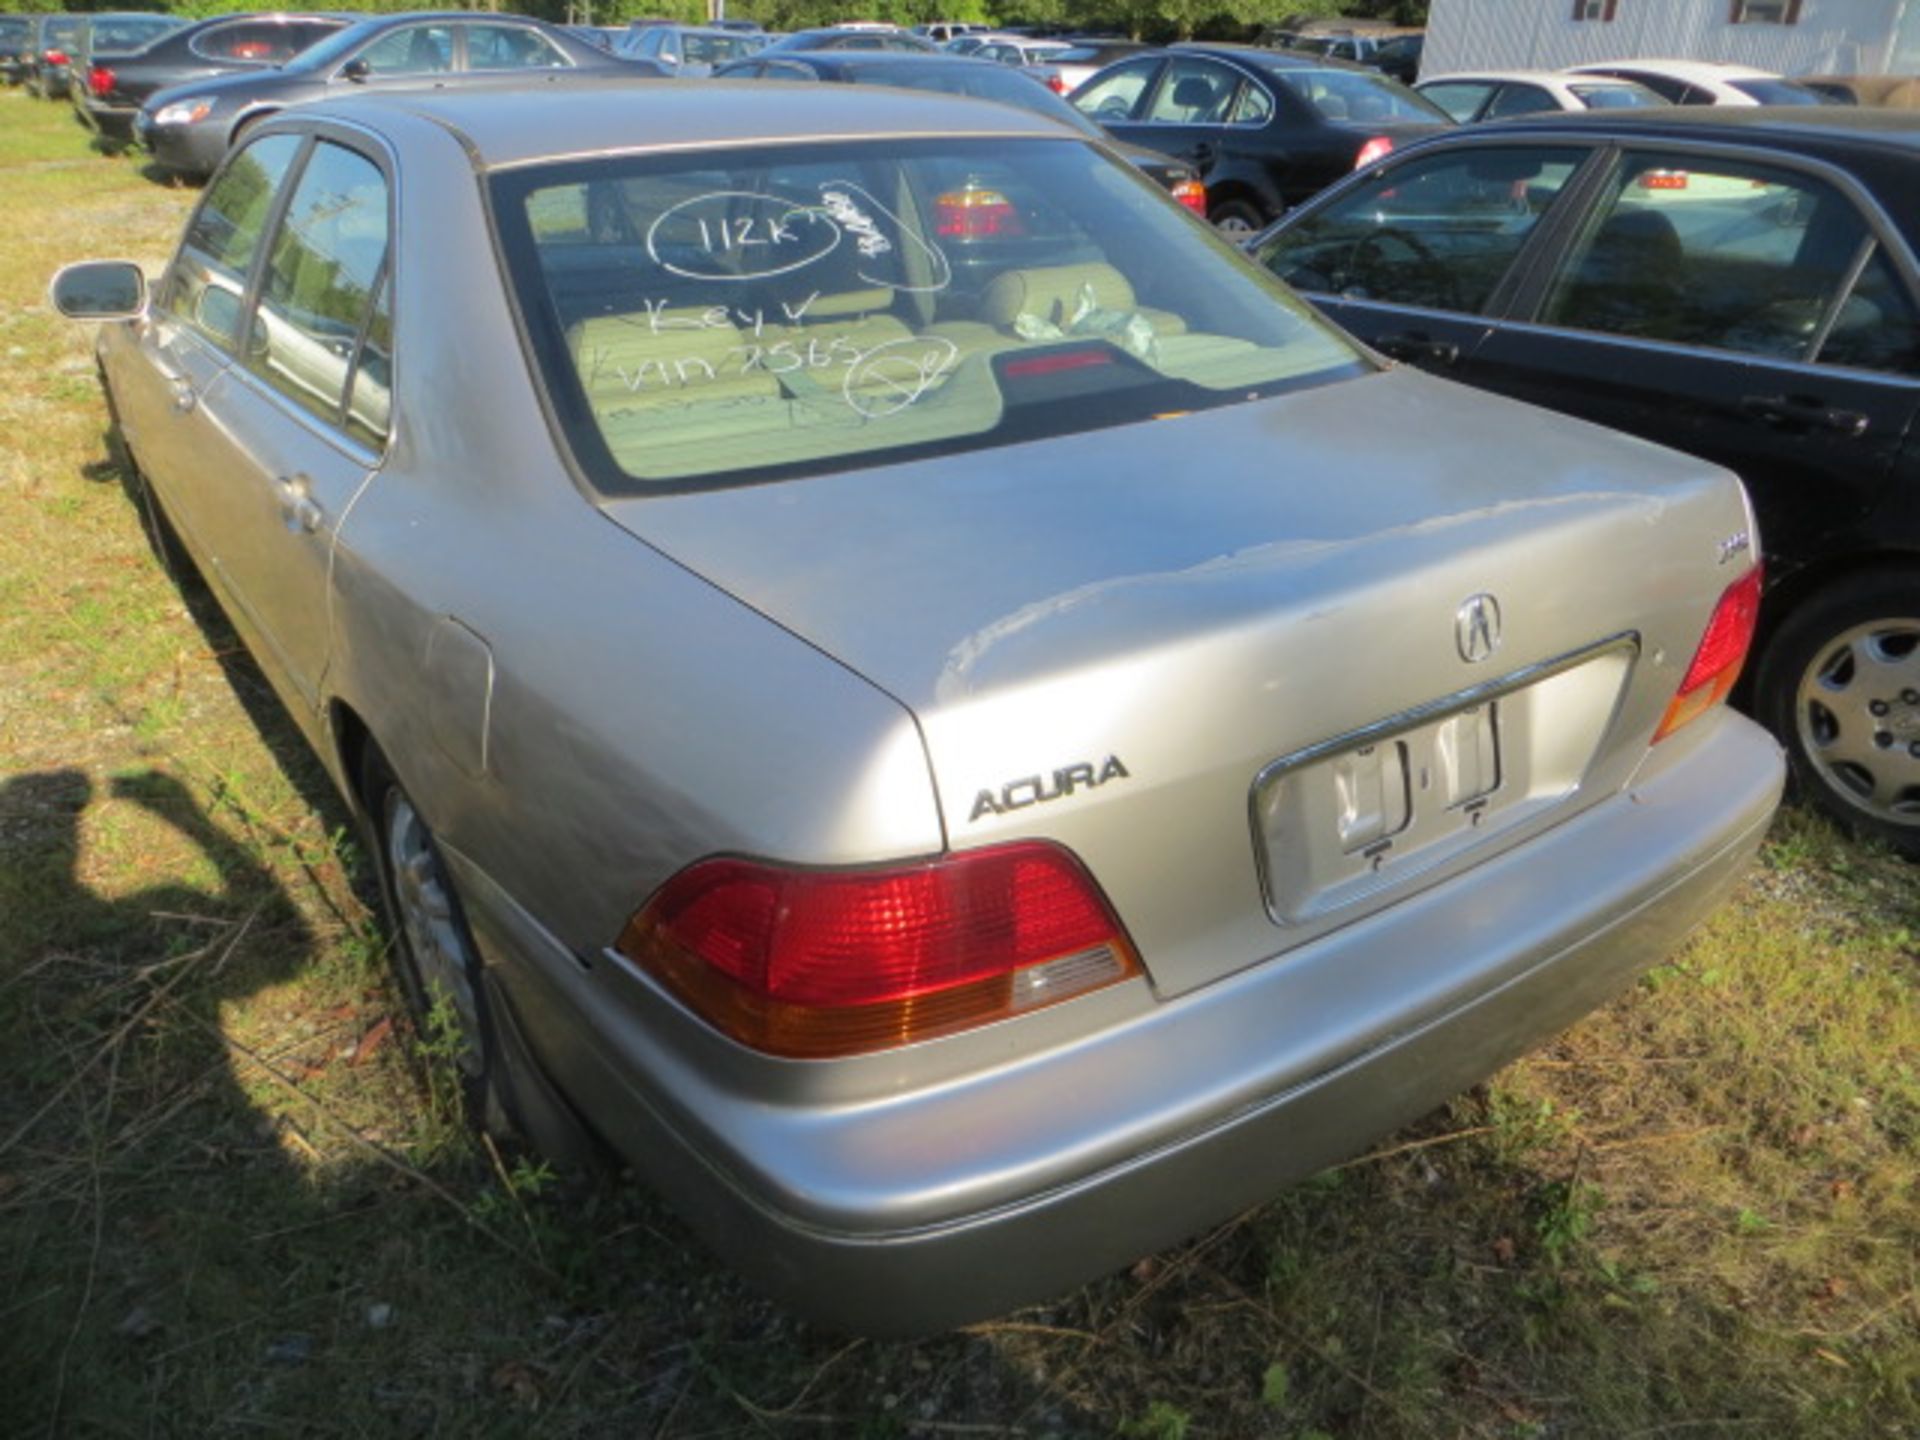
(1790, 37)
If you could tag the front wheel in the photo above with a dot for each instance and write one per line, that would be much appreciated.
(1839, 684)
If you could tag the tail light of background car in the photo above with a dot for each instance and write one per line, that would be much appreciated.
(972, 213)
(100, 81)
(1057, 83)
(1723, 650)
(1378, 148)
(1192, 194)
(54, 57)
(815, 963)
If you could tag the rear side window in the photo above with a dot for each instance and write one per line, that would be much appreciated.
(208, 282)
(259, 41)
(327, 259)
(510, 47)
(786, 310)
(1437, 232)
(1722, 254)
(1116, 94)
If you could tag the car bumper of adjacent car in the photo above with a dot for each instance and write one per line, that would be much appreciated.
(914, 1211)
(188, 149)
(115, 122)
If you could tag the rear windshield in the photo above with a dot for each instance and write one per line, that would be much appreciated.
(130, 34)
(1356, 96)
(722, 317)
(1002, 83)
(709, 49)
(1624, 96)
(1777, 92)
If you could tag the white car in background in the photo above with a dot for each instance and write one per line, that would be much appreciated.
(1496, 94)
(1704, 82)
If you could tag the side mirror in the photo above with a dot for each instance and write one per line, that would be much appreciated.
(356, 70)
(100, 290)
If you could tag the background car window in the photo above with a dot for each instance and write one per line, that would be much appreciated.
(261, 41)
(1520, 100)
(370, 406)
(411, 50)
(1194, 92)
(1254, 107)
(1116, 95)
(1733, 256)
(1437, 232)
(1877, 327)
(326, 256)
(510, 47)
(1356, 95)
(209, 279)
(1628, 96)
(1459, 98)
(129, 33)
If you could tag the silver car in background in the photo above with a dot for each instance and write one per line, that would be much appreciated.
(898, 681)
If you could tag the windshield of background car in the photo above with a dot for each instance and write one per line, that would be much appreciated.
(1623, 96)
(720, 317)
(1777, 92)
(1352, 95)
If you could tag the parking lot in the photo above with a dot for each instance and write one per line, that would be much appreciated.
(238, 1195)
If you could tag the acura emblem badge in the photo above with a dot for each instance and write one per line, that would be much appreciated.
(1476, 627)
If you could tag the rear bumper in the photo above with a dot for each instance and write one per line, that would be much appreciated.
(114, 122)
(910, 1211)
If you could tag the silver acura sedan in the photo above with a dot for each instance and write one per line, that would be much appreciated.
(898, 682)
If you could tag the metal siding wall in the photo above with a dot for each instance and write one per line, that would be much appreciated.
(1832, 36)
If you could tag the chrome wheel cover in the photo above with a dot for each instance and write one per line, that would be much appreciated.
(442, 959)
(1857, 715)
(1234, 228)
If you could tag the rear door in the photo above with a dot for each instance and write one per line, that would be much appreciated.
(1748, 308)
(1417, 257)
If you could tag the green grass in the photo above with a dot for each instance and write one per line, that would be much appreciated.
(234, 1200)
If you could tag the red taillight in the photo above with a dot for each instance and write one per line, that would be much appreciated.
(55, 57)
(1054, 363)
(972, 213)
(1192, 194)
(1378, 148)
(100, 81)
(1057, 83)
(1723, 650)
(813, 963)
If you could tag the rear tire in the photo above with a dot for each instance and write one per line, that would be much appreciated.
(1839, 685)
(455, 1006)
(1236, 220)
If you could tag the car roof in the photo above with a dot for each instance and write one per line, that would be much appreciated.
(1685, 69)
(1531, 77)
(516, 125)
(1266, 57)
(1789, 123)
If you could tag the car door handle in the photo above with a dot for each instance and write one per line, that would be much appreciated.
(1421, 349)
(298, 509)
(1804, 412)
(184, 396)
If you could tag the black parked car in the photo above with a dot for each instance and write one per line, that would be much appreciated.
(1738, 283)
(224, 45)
(962, 75)
(49, 57)
(1266, 129)
(189, 127)
(16, 43)
(101, 42)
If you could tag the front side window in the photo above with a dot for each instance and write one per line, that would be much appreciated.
(1713, 253)
(510, 47)
(411, 50)
(327, 256)
(784, 310)
(1116, 94)
(1194, 92)
(208, 281)
(1438, 232)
